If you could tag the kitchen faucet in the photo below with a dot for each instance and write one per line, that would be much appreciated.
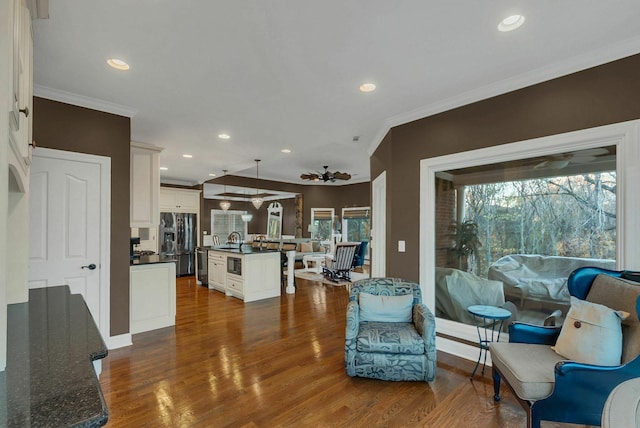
(235, 238)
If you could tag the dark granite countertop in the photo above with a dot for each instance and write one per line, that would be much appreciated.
(49, 380)
(155, 258)
(244, 250)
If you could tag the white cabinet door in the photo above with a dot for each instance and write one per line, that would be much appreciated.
(152, 296)
(21, 111)
(145, 186)
(179, 200)
(217, 271)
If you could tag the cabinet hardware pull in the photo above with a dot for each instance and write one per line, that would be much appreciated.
(25, 111)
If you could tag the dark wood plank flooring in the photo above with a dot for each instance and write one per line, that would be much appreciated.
(279, 363)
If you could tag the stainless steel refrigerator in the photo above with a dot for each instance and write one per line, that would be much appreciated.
(178, 237)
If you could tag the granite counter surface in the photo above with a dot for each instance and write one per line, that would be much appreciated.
(49, 380)
(245, 249)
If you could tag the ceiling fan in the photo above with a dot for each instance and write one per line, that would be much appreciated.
(326, 175)
(582, 156)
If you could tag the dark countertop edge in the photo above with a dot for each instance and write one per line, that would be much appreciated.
(246, 251)
(150, 260)
(20, 310)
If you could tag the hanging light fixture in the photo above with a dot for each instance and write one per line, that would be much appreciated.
(225, 204)
(257, 200)
(246, 217)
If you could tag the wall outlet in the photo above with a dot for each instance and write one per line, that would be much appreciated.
(401, 246)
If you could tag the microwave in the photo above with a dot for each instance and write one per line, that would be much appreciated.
(234, 265)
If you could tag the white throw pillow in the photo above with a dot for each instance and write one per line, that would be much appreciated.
(591, 334)
(385, 308)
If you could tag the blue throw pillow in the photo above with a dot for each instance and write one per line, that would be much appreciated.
(385, 308)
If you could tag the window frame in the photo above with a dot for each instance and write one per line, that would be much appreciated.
(625, 136)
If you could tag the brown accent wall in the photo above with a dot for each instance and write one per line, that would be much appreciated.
(598, 96)
(65, 127)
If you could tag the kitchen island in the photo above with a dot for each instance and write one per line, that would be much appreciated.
(152, 292)
(244, 272)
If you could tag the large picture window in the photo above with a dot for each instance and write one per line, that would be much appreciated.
(509, 223)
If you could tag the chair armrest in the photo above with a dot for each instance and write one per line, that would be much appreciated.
(520, 332)
(581, 390)
(353, 320)
(424, 321)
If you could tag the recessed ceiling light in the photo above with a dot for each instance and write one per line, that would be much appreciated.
(212, 175)
(187, 156)
(164, 168)
(511, 23)
(224, 136)
(286, 150)
(118, 64)
(367, 87)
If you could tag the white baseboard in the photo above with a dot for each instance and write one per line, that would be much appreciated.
(459, 349)
(120, 341)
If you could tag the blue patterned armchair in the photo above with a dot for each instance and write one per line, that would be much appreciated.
(390, 350)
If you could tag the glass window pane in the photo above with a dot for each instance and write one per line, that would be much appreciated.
(513, 232)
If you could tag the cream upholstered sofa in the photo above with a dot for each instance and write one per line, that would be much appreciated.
(622, 408)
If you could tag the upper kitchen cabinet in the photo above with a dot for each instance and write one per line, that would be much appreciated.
(179, 200)
(145, 185)
(21, 84)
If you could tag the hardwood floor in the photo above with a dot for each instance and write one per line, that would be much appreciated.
(279, 363)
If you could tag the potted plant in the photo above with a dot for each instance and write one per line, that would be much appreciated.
(465, 242)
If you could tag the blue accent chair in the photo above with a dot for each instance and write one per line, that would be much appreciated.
(548, 386)
(390, 350)
(361, 252)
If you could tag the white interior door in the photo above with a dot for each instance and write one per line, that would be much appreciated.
(66, 229)
(379, 226)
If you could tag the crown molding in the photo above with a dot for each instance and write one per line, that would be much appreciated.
(83, 101)
(571, 65)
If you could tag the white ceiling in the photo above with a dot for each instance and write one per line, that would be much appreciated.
(285, 74)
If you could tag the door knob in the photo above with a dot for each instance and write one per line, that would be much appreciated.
(90, 267)
(25, 111)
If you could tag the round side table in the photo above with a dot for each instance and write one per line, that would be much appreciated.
(489, 321)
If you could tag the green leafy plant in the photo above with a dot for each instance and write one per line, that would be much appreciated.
(465, 241)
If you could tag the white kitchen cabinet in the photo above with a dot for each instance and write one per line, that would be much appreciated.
(260, 278)
(21, 84)
(152, 296)
(235, 286)
(145, 185)
(179, 200)
(217, 270)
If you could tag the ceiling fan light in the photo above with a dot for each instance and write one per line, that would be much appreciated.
(225, 205)
(257, 202)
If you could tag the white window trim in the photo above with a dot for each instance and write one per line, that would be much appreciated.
(220, 212)
(625, 136)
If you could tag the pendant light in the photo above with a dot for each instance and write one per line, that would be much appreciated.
(257, 200)
(225, 204)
